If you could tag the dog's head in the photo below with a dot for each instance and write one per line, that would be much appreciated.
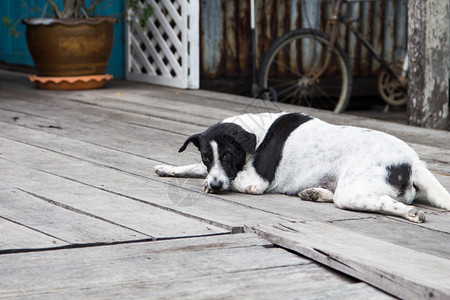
(224, 148)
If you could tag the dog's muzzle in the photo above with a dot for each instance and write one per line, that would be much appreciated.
(216, 185)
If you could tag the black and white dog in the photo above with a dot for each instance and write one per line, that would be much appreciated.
(295, 154)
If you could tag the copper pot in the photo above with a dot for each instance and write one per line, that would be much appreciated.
(70, 47)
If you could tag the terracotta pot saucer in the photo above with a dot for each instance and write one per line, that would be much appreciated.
(70, 82)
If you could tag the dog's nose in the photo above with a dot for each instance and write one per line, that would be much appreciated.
(216, 185)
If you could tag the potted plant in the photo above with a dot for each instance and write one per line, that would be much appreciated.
(69, 44)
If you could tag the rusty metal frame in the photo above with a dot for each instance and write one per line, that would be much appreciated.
(332, 29)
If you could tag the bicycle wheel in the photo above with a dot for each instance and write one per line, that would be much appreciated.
(393, 91)
(301, 69)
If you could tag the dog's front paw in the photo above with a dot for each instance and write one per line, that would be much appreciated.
(252, 189)
(206, 187)
(416, 215)
(164, 170)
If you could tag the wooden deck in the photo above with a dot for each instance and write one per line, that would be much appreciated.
(82, 214)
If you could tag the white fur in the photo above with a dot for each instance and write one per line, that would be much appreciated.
(258, 124)
(317, 151)
(194, 170)
(216, 173)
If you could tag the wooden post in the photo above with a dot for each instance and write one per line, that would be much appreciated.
(429, 56)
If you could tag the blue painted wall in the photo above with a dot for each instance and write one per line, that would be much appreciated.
(13, 50)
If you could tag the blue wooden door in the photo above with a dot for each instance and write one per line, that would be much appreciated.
(13, 50)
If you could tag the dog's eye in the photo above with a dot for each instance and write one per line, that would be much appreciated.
(205, 158)
(226, 156)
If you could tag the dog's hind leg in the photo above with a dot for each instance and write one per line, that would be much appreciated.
(428, 187)
(380, 204)
(193, 171)
(316, 195)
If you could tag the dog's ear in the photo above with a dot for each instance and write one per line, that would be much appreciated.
(195, 139)
(247, 141)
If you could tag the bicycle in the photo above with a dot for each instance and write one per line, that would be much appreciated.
(309, 68)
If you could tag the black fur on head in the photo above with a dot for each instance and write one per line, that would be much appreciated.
(195, 139)
(229, 131)
(233, 145)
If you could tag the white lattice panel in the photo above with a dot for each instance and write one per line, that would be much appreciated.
(166, 51)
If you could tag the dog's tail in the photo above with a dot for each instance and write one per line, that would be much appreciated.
(428, 188)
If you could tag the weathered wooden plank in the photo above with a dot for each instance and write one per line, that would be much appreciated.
(145, 104)
(16, 236)
(434, 242)
(105, 156)
(118, 90)
(124, 137)
(238, 104)
(403, 272)
(443, 178)
(154, 119)
(123, 211)
(129, 92)
(231, 266)
(55, 221)
(282, 283)
(437, 219)
(437, 158)
(170, 111)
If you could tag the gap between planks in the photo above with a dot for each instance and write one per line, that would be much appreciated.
(403, 272)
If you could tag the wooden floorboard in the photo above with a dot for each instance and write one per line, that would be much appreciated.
(17, 237)
(401, 233)
(58, 222)
(230, 266)
(120, 210)
(406, 273)
(77, 172)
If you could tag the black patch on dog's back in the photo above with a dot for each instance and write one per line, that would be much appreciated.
(268, 155)
(399, 177)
